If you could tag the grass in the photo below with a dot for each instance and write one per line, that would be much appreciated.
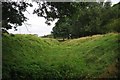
(28, 57)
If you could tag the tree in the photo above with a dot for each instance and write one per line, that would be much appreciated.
(56, 10)
(61, 30)
(78, 18)
(82, 21)
(90, 19)
(12, 14)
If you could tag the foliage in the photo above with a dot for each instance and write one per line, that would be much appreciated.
(76, 18)
(52, 10)
(114, 25)
(12, 14)
(90, 19)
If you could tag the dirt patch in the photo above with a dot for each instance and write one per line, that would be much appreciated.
(110, 72)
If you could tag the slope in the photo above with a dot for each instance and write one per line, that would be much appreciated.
(27, 57)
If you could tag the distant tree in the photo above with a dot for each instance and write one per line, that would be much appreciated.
(61, 31)
(111, 18)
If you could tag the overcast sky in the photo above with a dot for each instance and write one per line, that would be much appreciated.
(37, 24)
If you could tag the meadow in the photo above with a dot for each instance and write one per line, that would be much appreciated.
(28, 57)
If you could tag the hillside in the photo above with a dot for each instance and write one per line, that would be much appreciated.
(28, 57)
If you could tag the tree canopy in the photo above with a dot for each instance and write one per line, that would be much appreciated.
(75, 18)
(12, 14)
(90, 19)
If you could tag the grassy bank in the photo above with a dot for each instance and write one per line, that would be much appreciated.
(28, 57)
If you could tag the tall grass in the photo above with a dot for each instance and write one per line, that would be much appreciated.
(28, 57)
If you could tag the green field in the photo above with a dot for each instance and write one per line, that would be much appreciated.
(28, 57)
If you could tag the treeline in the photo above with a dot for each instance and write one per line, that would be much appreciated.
(75, 19)
(90, 18)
